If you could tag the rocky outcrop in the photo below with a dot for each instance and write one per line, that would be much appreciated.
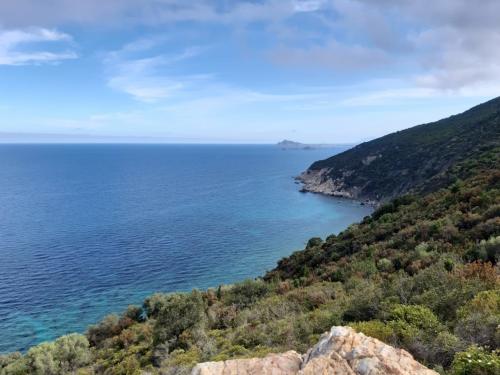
(274, 364)
(341, 351)
(319, 181)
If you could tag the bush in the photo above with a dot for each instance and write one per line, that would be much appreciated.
(180, 313)
(154, 304)
(13, 364)
(476, 361)
(415, 328)
(385, 265)
(365, 301)
(419, 317)
(65, 355)
(479, 320)
(106, 328)
(443, 348)
(71, 352)
(314, 242)
(376, 329)
(41, 360)
(246, 293)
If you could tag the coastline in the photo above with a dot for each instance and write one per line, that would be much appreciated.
(318, 182)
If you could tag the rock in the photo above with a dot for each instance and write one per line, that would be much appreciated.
(274, 364)
(318, 181)
(364, 355)
(341, 351)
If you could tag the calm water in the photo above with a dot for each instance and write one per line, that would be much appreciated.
(86, 230)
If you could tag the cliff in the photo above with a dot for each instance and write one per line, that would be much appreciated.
(420, 159)
(339, 351)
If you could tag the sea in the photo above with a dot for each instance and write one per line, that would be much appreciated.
(87, 229)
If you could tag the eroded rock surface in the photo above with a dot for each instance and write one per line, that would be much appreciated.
(341, 351)
(273, 364)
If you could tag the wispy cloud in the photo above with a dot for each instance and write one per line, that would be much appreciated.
(308, 5)
(144, 77)
(16, 46)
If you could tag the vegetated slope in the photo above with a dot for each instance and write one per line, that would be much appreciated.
(418, 159)
(421, 273)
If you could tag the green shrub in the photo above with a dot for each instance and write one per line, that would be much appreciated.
(314, 242)
(476, 361)
(365, 301)
(13, 364)
(154, 304)
(415, 328)
(385, 265)
(419, 317)
(247, 292)
(106, 328)
(479, 320)
(376, 329)
(72, 352)
(180, 313)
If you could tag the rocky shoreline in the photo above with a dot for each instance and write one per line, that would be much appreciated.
(319, 182)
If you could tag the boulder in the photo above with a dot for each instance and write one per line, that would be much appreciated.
(341, 351)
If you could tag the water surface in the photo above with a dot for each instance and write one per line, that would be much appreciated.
(86, 230)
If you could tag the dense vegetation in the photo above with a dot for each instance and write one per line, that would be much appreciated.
(421, 273)
(405, 161)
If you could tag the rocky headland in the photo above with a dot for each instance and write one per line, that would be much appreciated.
(418, 160)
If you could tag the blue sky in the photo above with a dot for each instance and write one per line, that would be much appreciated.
(337, 71)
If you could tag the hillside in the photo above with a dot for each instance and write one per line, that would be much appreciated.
(419, 159)
(421, 273)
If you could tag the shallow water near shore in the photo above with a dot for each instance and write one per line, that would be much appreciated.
(86, 230)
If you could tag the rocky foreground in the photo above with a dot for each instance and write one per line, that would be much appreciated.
(340, 351)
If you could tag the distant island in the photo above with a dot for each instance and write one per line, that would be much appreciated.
(292, 145)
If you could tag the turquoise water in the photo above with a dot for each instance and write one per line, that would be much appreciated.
(86, 230)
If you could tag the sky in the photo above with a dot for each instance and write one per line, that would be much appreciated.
(242, 71)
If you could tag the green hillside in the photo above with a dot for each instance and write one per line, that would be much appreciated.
(419, 159)
(421, 273)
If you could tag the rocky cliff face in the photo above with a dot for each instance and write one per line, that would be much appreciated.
(319, 181)
(341, 351)
(421, 159)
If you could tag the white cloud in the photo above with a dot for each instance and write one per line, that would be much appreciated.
(143, 77)
(13, 41)
(114, 13)
(308, 5)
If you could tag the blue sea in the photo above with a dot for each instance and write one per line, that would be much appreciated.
(86, 230)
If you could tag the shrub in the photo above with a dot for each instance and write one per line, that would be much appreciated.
(13, 364)
(479, 320)
(476, 361)
(385, 265)
(314, 242)
(365, 301)
(415, 328)
(180, 313)
(419, 317)
(375, 328)
(41, 359)
(247, 292)
(71, 352)
(153, 304)
(443, 348)
(106, 328)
